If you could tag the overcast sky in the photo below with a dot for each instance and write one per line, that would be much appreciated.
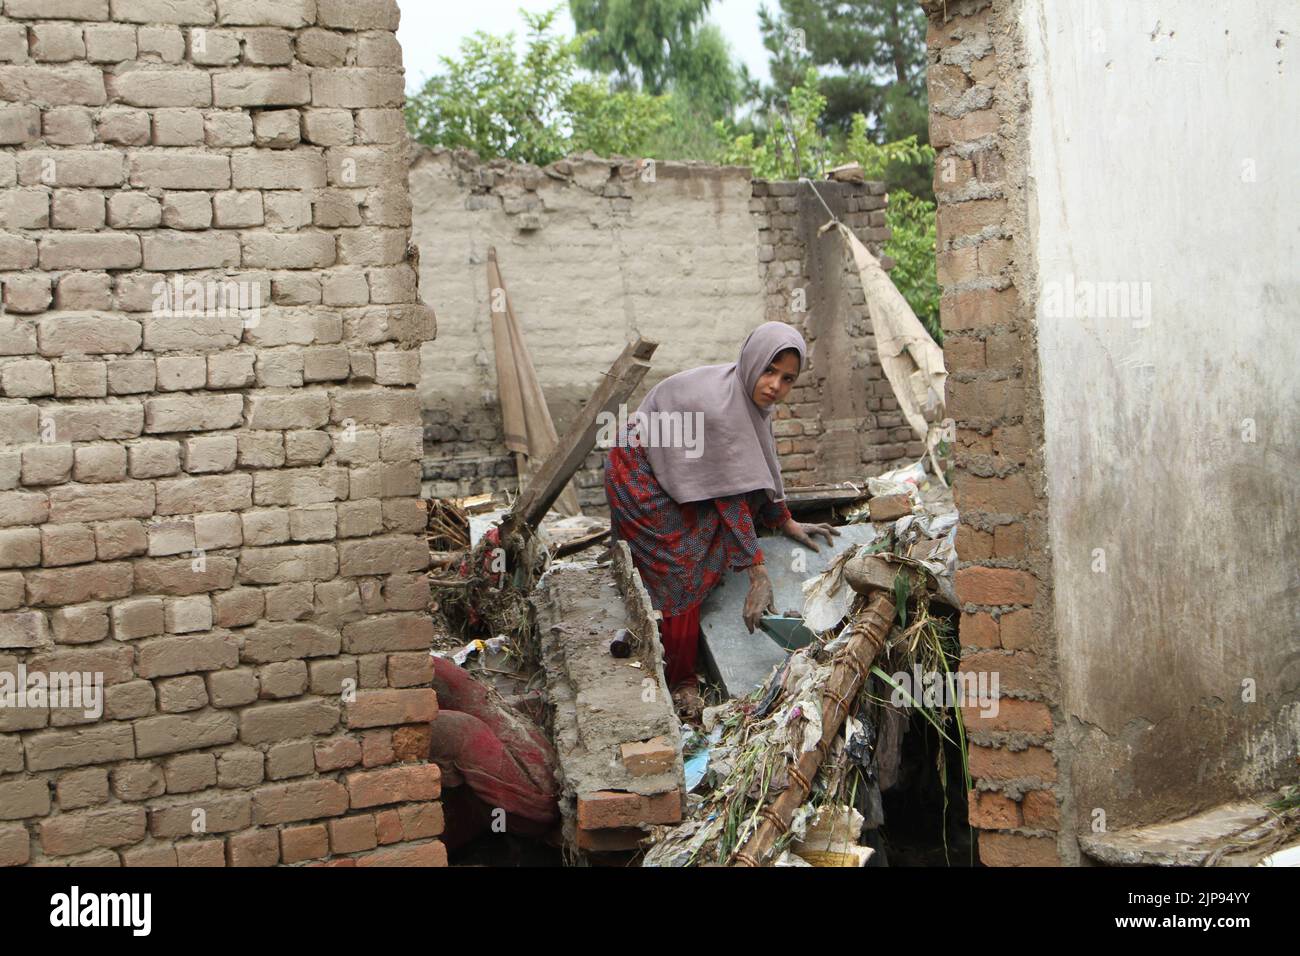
(434, 28)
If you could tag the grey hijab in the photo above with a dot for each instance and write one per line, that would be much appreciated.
(736, 451)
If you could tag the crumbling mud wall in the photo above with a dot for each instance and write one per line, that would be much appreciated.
(986, 270)
(593, 251)
(209, 499)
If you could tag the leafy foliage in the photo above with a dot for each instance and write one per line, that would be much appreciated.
(532, 108)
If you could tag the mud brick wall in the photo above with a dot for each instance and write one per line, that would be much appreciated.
(217, 511)
(1003, 578)
(841, 420)
(593, 250)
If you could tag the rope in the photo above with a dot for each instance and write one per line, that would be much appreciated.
(834, 219)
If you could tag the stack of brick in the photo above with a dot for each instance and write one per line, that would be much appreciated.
(212, 504)
(993, 396)
(615, 731)
(811, 283)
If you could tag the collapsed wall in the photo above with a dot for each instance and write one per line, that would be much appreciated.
(594, 251)
(210, 437)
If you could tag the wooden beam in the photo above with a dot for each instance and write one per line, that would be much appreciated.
(549, 480)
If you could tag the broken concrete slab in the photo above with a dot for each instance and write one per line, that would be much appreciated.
(600, 703)
(741, 661)
(1187, 842)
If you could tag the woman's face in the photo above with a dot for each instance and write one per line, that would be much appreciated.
(774, 384)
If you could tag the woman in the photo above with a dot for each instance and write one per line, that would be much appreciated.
(687, 509)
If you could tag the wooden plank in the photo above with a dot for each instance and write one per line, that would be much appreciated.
(549, 480)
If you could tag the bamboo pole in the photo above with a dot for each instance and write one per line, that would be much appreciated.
(868, 630)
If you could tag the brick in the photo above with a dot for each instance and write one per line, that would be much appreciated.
(992, 811)
(99, 463)
(153, 855)
(337, 753)
(98, 502)
(304, 843)
(1023, 716)
(1017, 631)
(205, 853)
(174, 251)
(356, 88)
(47, 86)
(651, 757)
(603, 809)
(101, 582)
(87, 624)
(1040, 810)
(382, 555)
(292, 759)
(240, 767)
(1010, 849)
(254, 848)
(617, 840)
(119, 539)
(392, 707)
(282, 679)
(232, 688)
(137, 781)
(377, 748)
(82, 788)
(283, 13)
(419, 855)
(353, 834)
(190, 654)
(182, 576)
(24, 799)
(260, 88)
(304, 562)
(421, 820)
(57, 9)
(302, 168)
(978, 309)
(20, 548)
(237, 607)
(993, 763)
(172, 734)
(995, 586)
(70, 833)
(189, 773)
(303, 800)
(151, 88)
(411, 744)
(271, 723)
(979, 630)
(193, 413)
(410, 670)
(129, 700)
(393, 785)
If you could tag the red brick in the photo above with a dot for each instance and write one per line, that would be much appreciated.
(945, 130)
(1003, 350)
(71, 833)
(206, 853)
(1008, 495)
(973, 544)
(304, 843)
(410, 669)
(353, 834)
(412, 743)
(394, 785)
(386, 708)
(986, 399)
(978, 309)
(158, 855)
(254, 848)
(1010, 849)
(1041, 811)
(653, 756)
(1009, 540)
(979, 630)
(1018, 671)
(995, 763)
(889, 507)
(1011, 442)
(605, 809)
(422, 854)
(995, 586)
(1017, 630)
(610, 841)
(992, 811)
(956, 219)
(1027, 716)
(421, 820)
(377, 748)
(388, 827)
(338, 753)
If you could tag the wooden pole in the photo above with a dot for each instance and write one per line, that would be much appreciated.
(868, 630)
(549, 480)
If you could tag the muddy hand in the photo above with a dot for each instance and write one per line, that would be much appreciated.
(759, 600)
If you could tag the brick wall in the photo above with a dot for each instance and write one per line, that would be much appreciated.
(691, 255)
(214, 508)
(841, 420)
(993, 395)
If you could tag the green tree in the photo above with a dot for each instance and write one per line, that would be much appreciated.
(532, 108)
(871, 60)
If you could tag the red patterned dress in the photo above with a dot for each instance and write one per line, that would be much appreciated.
(682, 550)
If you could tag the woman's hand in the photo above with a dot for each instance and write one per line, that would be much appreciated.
(803, 533)
(759, 600)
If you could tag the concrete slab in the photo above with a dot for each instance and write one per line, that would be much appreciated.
(1186, 842)
(741, 661)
